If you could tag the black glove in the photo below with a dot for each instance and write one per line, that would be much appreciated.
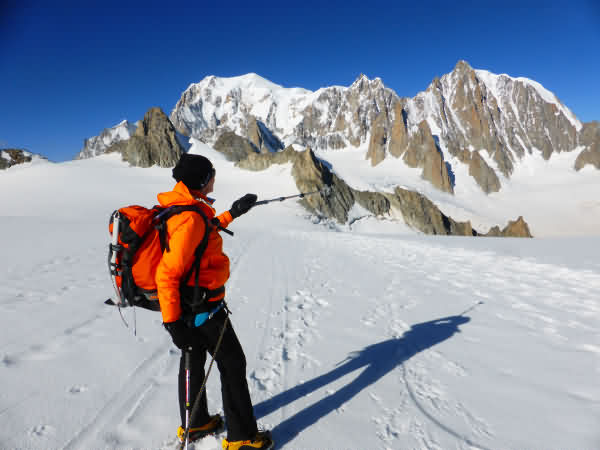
(242, 205)
(179, 333)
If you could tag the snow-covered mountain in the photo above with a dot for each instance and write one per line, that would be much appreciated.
(485, 121)
(97, 145)
(330, 118)
(484, 148)
(489, 123)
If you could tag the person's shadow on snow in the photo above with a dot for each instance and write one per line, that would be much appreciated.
(378, 360)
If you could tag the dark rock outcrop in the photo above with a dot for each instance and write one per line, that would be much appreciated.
(311, 174)
(261, 137)
(234, 147)
(483, 174)
(590, 137)
(378, 141)
(153, 143)
(10, 157)
(514, 228)
(421, 213)
(375, 202)
(517, 228)
(419, 149)
(399, 134)
(261, 161)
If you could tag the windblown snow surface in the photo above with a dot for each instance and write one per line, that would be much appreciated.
(356, 338)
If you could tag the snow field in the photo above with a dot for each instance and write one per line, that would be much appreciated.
(554, 199)
(356, 339)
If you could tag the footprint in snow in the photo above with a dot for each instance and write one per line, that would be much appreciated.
(590, 348)
(78, 389)
(263, 378)
(42, 430)
(323, 303)
(8, 361)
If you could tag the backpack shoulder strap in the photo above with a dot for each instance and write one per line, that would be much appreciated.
(169, 212)
(162, 218)
(200, 249)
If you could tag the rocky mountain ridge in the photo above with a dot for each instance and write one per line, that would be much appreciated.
(468, 123)
(311, 174)
(10, 157)
(153, 142)
(473, 117)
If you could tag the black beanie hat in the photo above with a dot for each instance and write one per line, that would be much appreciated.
(195, 171)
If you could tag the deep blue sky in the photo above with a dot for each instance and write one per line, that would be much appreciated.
(70, 69)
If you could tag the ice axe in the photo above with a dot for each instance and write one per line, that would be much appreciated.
(325, 190)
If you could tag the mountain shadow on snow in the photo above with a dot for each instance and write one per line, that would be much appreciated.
(378, 360)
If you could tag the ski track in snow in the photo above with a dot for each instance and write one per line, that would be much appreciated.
(47, 342)
(424, 413)
(289, 329)
(285, 348)
(123, 405)
(418, 386)
(524, 279)
(288, 305)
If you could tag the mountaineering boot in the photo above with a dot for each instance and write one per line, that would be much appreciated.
(262, 440)
(215, 425)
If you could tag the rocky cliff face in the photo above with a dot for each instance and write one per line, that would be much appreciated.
(485, 121)
(468, 123)
(590, 139)
(507, 118)
(13, 156)
(334, 118)
(310, 174)
(514, 228)
(154, 142)
(234, 147)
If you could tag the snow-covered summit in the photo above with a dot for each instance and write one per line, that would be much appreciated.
(467, 117)
(464, 109)
(475, 114)
(229, 102)
(331, 117)
(97, 145)
(503, 86)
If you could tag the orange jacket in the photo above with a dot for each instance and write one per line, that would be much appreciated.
(185, 231)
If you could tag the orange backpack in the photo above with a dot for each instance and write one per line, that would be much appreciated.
(139, 239)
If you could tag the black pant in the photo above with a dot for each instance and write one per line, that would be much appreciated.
(231, 361)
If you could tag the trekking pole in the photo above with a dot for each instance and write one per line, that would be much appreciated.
(196, 402)
(188, 352)
(326, 190)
